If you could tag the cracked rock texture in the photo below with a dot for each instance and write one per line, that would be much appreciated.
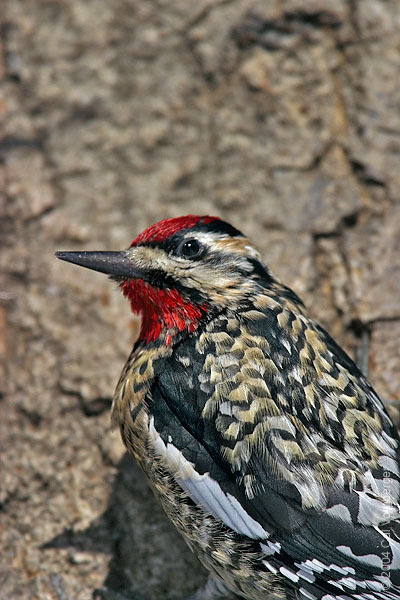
(282, 117)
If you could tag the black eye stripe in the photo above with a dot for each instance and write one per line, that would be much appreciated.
(190, 248)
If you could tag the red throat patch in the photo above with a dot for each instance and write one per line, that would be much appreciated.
(161, 309)
(164, 229)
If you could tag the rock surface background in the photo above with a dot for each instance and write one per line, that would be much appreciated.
(283, 117)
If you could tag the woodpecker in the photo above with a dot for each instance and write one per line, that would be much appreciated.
(266, 446)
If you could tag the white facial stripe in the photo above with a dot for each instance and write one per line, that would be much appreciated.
(204, 490)
(150, 255)
(146, 257)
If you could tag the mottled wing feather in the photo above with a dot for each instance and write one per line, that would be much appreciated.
(266, 432)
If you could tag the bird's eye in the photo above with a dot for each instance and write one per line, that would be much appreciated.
(190, 249)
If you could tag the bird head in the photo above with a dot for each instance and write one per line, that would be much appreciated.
(179, 272)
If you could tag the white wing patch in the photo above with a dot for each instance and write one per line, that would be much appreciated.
(330, 597)
(339, 511)
(289, 574)
(368, 559)
(373, 511)
(271, 548)
(394, 547)
(270, 567)
(204, 490)
(306, 594)
(389, 463)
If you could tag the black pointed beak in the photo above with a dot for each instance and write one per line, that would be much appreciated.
(116, 264)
